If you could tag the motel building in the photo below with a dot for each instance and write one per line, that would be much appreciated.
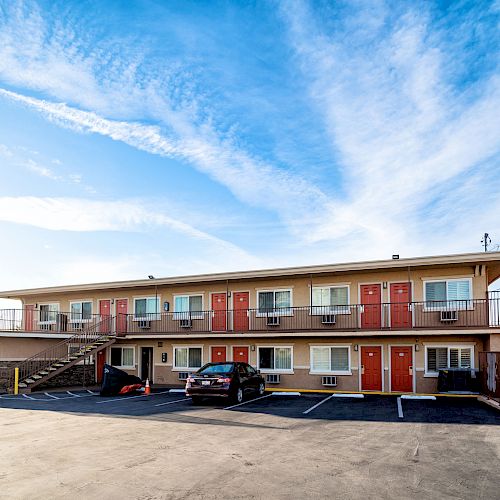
(387, 325)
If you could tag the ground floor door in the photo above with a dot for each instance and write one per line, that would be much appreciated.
(240, 353)
(371, 368)
(218, 354)
(402, 368)
(100, 360)
(121, 315)
(240, 311)
(147, 363)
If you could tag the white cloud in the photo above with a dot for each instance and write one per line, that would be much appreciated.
(250, 179)
(401, 133)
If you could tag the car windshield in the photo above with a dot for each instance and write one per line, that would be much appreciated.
(217, 368)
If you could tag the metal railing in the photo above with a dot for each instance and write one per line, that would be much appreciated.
(474, 313)
(62, 352)
(34, 320)
(446, 315)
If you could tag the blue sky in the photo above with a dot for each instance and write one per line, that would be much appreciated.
(181, 137)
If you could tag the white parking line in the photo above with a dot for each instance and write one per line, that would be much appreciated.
(131, 397)
(172, 402)
(317, 404)
(73, 394)
(50, 395)
(183, 391)
(249, 401)
(410, 396)
(25, 396)
(400, 408)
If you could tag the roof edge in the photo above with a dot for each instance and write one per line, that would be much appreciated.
(467, 258)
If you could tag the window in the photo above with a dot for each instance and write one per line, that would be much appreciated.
(146, 308)
(187, 358)
(441, 358)
(448, 294)
(123, 357)
(188, 306)
(330, 359)
(81, 311)
(275, 358)
(330, 300)
(275, 302)
(48, 313)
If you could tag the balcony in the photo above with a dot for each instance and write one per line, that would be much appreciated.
(441, 315)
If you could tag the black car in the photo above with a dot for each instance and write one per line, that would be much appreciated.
(229, 379)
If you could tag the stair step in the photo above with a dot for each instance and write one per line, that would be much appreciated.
(65, 361)
(58, 365)
(29, 381)
(51, 369)
(44, 372)
(36, 377)
(22, 385)
(72, 358)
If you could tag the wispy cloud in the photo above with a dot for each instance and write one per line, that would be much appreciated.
(402, 132)
(250, 179)
(78, 214)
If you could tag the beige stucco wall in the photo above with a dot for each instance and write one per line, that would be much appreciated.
(301, 379)
(19, 348)
(300, 287)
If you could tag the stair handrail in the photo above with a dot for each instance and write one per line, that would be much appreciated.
(46, 358)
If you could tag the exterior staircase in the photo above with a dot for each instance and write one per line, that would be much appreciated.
(46, 364)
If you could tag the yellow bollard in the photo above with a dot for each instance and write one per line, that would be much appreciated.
(16, 380)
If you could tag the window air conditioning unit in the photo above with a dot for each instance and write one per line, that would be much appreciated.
(144, 324)
(183, 375)
(273, 378)
(328, 319)
(447, 316)
(46, 327)
(330, 380)
(185, 323)
(273, 321)
(77, 325)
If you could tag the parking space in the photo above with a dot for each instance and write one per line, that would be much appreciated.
(274, 445)
(310, 406)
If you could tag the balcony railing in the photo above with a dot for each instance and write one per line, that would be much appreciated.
(438, 315)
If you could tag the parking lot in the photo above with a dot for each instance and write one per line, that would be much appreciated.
(59, 443)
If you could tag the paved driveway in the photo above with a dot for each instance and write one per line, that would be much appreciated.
(80, 445)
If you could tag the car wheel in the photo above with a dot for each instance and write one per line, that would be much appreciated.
(196, 400)
(262, 389)
(238, 395)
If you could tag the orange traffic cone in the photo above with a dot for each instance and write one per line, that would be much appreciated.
(147, 389)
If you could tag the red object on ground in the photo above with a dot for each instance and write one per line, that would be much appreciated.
(130, 388)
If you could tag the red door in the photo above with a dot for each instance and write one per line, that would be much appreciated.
(101, 359)
(401, 369)
(105, 316)
(29, 310)
(240, 354)
(219, 309)
(121, 315)
(371, 368)
(400, 305)
(218, 354)
(371, 301)
(240, 306)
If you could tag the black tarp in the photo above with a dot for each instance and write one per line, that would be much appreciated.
(114, 380)
(457, 379)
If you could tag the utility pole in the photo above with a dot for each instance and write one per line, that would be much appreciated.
(486, 241)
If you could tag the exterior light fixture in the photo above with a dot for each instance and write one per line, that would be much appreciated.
(356, 347)
(395, 256)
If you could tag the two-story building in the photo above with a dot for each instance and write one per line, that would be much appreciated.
(386, 325)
